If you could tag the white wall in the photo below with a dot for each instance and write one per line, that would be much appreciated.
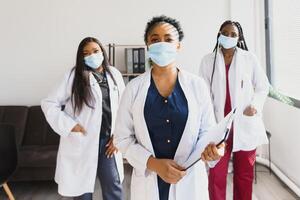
(283, 123)
(281, 120)
(39, 39)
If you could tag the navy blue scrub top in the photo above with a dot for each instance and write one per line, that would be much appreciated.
(166, 119)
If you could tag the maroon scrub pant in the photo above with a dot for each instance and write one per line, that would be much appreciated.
(243, 173)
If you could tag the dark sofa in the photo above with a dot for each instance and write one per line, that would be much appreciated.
(37, 142)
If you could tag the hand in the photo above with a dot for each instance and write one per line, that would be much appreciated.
(250, 111)
(212, 152)
(166, 169)
(78, 128)
(111, 149)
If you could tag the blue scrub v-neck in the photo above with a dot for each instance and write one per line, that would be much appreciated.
(166, 119)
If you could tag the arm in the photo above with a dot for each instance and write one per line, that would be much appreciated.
(261, 85)
(203, 73)
(208, 121)
(125, 139)
(60, 121)
(202, 148)
(119, 79)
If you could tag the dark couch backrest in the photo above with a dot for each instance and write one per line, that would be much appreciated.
(17, 116)
(38, 131)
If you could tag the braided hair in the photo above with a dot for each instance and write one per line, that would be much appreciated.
(241, 44)
(241, 41)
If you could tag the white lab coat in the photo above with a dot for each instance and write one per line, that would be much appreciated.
(248, 85)
(133, 140)
(77, 157)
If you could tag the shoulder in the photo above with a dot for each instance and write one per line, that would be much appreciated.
(197, 86)
(193, 79)
(245, 53)
(248, 56)
(135, 84)
(138, 81)
(115, 71)
(206, 64)
(117, 75)
(69, 75)
(208, 57)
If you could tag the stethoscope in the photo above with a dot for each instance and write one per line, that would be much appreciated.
(101, 80)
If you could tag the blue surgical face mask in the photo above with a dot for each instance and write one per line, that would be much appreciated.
(162, 53)
(94, 61)
(227, 42)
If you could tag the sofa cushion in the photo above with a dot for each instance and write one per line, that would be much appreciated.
(38, 131)
(37, 156)
(17, 116)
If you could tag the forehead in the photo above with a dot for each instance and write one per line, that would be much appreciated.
(91, 46)
(230, 28)
(163, 29)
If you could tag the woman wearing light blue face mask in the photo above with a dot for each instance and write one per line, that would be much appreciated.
(90, 95)
(236, 80)
(164, 113)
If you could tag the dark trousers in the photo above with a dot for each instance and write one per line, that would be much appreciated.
(108, 175)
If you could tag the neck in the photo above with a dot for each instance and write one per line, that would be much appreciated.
(228, 52)
(164, 71)
(100, 69)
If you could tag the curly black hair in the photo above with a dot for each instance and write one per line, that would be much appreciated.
(163, 19)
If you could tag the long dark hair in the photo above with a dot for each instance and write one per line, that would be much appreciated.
(81, 90)
(241, 44)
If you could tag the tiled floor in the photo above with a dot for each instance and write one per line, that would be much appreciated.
(268, 187)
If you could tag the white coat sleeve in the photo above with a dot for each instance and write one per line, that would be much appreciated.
(203, 71)
(125, 139)
(60, 121)
(261, 85)
(121, 84)
(207, 121)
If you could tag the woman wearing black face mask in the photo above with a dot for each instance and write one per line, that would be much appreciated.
(236, 80)
(90, 93)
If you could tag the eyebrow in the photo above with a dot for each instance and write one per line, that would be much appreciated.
(168, 34)
(153, 35)
(92, 50)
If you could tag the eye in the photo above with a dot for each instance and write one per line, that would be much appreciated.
(225, 33)
(154, 40)
(96, 51)
(234, 35)
(169, 40)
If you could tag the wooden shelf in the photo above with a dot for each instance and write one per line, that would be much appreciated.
(127, 45)
(131, 74)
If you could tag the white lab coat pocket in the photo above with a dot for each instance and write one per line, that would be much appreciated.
(251, 125)
(72, 144)
(248, 122)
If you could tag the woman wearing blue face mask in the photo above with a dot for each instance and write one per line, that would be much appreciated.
(164, 113)
(236, 80)
(90, 94)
